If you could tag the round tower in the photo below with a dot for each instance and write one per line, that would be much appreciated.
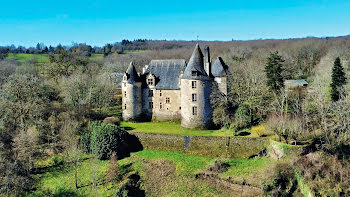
(196, 110)
(131, 90)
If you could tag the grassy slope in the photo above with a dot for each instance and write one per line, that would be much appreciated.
(59, 180)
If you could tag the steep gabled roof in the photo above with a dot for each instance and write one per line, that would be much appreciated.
(219, 68)
(196, 63)
(167, 72)
(132, 74)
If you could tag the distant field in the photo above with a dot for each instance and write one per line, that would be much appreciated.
(172, 128)
(22, 57)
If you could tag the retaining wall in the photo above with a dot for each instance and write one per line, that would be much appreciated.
(208, 146)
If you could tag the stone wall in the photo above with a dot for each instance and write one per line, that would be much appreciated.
(162, 111)
(222, 147)
(203, 119)
(222, 84)
(132, 100)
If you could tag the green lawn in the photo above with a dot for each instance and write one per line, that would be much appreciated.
(172, 128)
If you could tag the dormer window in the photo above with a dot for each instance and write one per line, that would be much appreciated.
(194, 73)
(150, 82)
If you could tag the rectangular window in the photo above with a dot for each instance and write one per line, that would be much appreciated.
(167, 100)
(194, 97)
(194, 73)
(124, 106)
(150, 82)
(124, 84)
(150, 93)
(125, 93)
(150, 105)
(194, 84)
(160, 106)
(160, 93)
(194, 110)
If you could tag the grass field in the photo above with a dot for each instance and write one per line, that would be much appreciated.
(162, 174)
(22, 57)
(173, 128)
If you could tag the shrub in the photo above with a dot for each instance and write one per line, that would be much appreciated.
(284, 182)
(242, 116)
(104, 140)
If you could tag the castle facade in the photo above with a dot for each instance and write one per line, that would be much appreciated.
(168, 90)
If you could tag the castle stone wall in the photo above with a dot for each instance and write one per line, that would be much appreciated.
(203, 119)
(132, 100)
(222, 84)
(162, 111)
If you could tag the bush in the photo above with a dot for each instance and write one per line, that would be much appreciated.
(242, 116)
(104, 140)
(283, 184)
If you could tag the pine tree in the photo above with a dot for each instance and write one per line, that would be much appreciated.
(338, 79)
(273, 70)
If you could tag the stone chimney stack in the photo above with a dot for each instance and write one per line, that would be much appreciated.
(207, 62)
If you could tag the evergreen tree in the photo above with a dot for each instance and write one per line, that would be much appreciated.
(273, 70)
(338, 79)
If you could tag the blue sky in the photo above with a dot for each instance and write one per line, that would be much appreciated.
(97, 22)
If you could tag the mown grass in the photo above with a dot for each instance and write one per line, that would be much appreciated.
(172, 128)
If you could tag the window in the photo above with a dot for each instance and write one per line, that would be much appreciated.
(194, 84)
(124, 106)
(150, 82)
(167, 100)
(194, 73)
(160, 93)
(160, 106)
(194, 110)
(124, 84)
(125, 93)
(194, 97)
(150, 93)
(150, 105)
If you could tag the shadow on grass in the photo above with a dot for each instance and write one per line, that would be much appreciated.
(128, 128)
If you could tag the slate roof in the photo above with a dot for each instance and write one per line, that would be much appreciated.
(196, 63)
(132, 74)
(166, 72)
(296, 83)
(219, 68)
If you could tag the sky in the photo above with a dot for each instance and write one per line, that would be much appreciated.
(97, 22)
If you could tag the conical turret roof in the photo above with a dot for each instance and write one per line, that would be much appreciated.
(132, 74)
(196, 63)
(219, 69)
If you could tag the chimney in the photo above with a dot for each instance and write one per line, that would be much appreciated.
(207, 63)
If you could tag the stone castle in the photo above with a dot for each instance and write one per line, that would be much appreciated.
(173, 89)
